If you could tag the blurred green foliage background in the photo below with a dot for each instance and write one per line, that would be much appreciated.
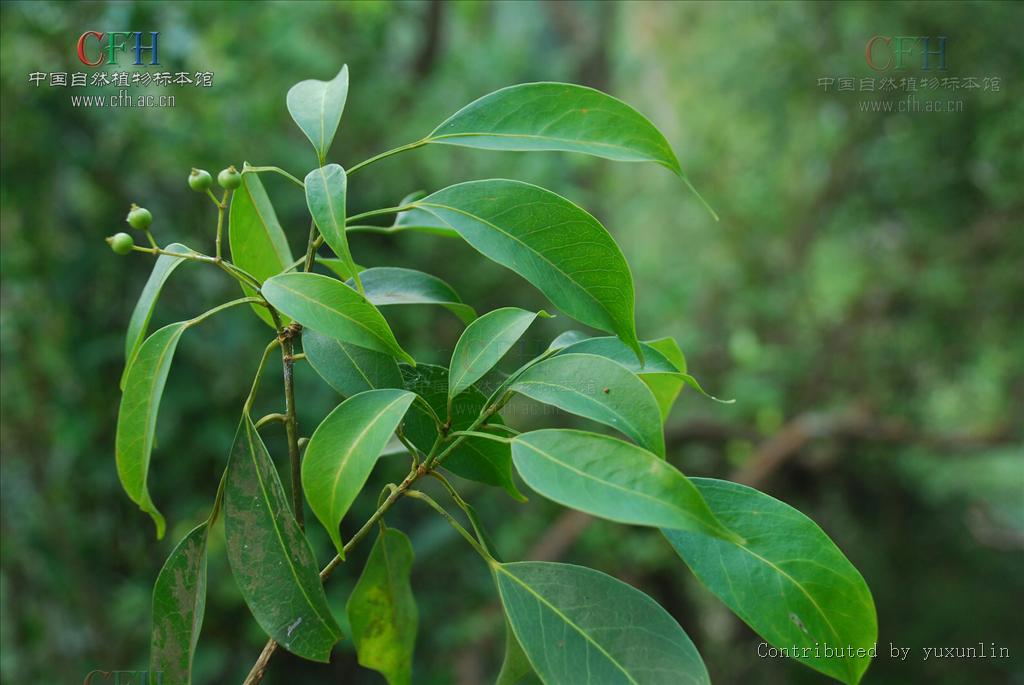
(862, 298)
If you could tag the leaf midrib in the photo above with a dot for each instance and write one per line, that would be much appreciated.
(543, 600)
(615, 486)
(277, 530)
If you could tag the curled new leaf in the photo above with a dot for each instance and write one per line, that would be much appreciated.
(787, 580)
(343, 450)
(549, 241)
(579, 625)
(269, 556)
(136, 417)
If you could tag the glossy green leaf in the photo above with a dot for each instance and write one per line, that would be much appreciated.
(578, 625)
(388, 285)
(598, 389)
(348, 368)
(788, 581)
(557, 116)
(136, 417)
(552, 243)
(660, 371)
(479, 459)
(612, 479)
(612, 348)
(484, 343)
(258, 244)
(567, 338)
(326, 189)
(316, 106)
(179, 599)
(382, 609)
(343, 451)
(269, 556)
(669, 348)
(143, 312)
(331, 307)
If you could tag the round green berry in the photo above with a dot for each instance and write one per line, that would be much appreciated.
(229, 178)
(121, 243)
(139, 217)
(200, 180)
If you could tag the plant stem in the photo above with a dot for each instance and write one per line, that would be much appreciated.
(416, 494)
(291, 425)
(259, 372)
(378, 212)
(276, 170)
(311, 247)
(384, 155)
(270, 418)
(210, 312)
(221, 206)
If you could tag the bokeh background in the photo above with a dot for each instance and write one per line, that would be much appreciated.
(862, 299)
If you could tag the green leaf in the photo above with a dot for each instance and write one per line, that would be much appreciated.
(136, 418)
(348, 368)
(515, 667)
(269, 556)
(143, 312)
(179, 599)
(614, 349)
(326, 188)
(598, 389)
(552, 243)
(484, 343)
(479, 459)
(316, 106)
(788, 581)
(331, 307)
(343, 451)
(388, 285)
(382, 609)
(567, 338)
(670, 349)
(557, 116)
(660, 372)
(577, 625)
(612, 479)
(258, 244)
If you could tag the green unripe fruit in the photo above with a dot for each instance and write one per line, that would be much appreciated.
(139, 217)
(200, 180)
(122, 243)
(229, 178)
